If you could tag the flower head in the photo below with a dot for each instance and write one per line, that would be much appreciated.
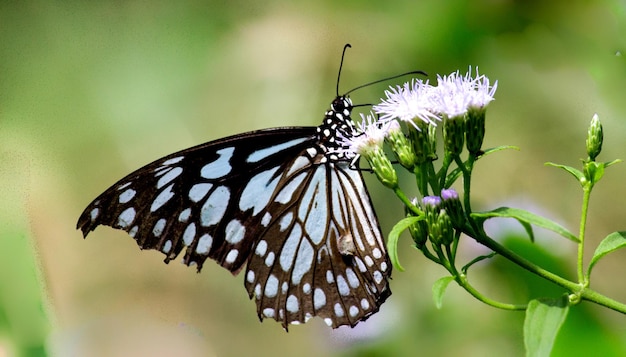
(367, 137)
(408, 103)
(455, 94)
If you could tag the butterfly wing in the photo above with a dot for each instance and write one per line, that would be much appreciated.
(304, 224)
(332, 261)
(199, 198)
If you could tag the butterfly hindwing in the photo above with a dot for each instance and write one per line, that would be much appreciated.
(332, 263)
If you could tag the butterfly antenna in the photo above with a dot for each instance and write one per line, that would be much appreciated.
(340, 66)
(383, 80)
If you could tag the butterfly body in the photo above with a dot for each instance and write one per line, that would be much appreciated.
(281, 202)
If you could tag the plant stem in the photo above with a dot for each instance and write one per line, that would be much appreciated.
(582, 278)
(461, 279)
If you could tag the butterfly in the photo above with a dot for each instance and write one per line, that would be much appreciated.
(281, 202)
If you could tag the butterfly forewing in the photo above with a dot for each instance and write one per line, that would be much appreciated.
(280, 200)
(206, 198)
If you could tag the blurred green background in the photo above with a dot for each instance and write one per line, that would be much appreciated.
(90, 91)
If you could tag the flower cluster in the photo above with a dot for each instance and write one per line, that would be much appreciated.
(458, 101)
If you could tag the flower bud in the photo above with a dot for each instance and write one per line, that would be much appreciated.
(475, 129)
(423, 137)
(382, 167)
(454, 208)
(454, 134)
(400, 145)
(594, 138)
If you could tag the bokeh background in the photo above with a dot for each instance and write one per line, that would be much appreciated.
(90, 91)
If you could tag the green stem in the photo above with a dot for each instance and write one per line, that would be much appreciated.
(582, 278)
(464, 283)
(584, 292)
(407, 202)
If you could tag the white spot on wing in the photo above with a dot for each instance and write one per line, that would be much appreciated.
(353, 311)
(269, 260)
(123, 186)
(215, 206)
(271, 286)
(269, 312)
(169, 177)
(232, 256)
(306, 288)
(173, 160)
(365, 304)
(285, 194)
(261, 248)
(127, 195)
(94, 213)
(304, 261)
(162, 198)
(376, 253)
(198, 191)
(250, 276)
(263, 153)
(378, 277)
(267, 217)
(286, 221)
(353, 280)
(235, 232)
(184, 215)
(158, 227)
(189, 234)
(342, 286)
(298, 164)
(220, 167)
(292, 304)
(258, 191)
(319, 299)
(167, 246)
(126, 217)
(313, 208)
(338, 310)
(288, 253)
(204, 244)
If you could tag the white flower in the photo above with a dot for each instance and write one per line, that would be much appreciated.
(452, 95)
(483, 92)
(455, 94)
(367, 137)
(407, 103)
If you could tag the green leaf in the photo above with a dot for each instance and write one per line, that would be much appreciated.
(576, 173)
(612, 242)
(394, 236)
(544, 318)
(452, 177)
(476, 260)
(498, 148)
(527, 217)
(439, 288)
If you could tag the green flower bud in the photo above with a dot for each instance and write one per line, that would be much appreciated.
(382, 167)
(444, 227)
(454, 208)
(475, 129)
(454, 134)
(424, 141)
(594, 138)
(401, 146)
